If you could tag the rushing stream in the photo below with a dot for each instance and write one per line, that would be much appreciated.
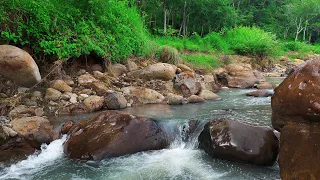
(181, 161)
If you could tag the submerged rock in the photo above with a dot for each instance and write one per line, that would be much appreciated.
(208, 95)
(260, 93)
(195, 99)
(113, 134)
(265, 85)
(17, 65)
(239, 142)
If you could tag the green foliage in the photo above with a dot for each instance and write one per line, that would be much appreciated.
(299, 49)
(208, 62)
(216, 41)
(296, 46)
(72, 28)
(182, 44)
(251, 41)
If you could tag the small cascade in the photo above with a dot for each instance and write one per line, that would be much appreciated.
(184, 134)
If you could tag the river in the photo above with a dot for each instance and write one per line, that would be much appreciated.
(182, 161)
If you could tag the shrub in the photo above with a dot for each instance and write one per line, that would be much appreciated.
(215, 40)
(251, 41)
(169, 55)
(71, 28)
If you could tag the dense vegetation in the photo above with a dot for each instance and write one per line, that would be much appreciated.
(200, 29)
(111, 28)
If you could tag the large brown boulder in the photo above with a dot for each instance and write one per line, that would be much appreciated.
(239, 142)
(296, 113)
(161, 71)
(238, 76)
(36, 130)
(113, 134)
(299, 152)
(17, 65)
(297, 98)
(187, 84)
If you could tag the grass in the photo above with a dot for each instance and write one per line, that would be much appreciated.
(208, 62)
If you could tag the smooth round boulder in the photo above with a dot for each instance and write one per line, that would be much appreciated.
(115, 101)
(114, 134)
(173, 99)
(60, 85)
(17, 65)
(141, 95)
(239, 142)
(161, 71)
(260, 93)
(297, 98)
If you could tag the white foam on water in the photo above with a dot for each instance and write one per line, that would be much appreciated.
(177, 163)
(36, 162)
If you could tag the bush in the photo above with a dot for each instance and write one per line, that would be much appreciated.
(215, 40)
(72, 28)
(169, 55)
(251, 41)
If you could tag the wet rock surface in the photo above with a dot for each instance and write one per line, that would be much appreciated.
(296, 114)
(239, 142)
(297, 99)
(299, 152)
(238, 76)
(113, 134)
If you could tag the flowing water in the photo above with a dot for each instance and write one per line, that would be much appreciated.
(181, 161)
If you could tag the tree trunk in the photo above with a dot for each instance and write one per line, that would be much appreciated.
(299, 28)
(202, 27)
(305, 31)
(184, 18)
(164, 17)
